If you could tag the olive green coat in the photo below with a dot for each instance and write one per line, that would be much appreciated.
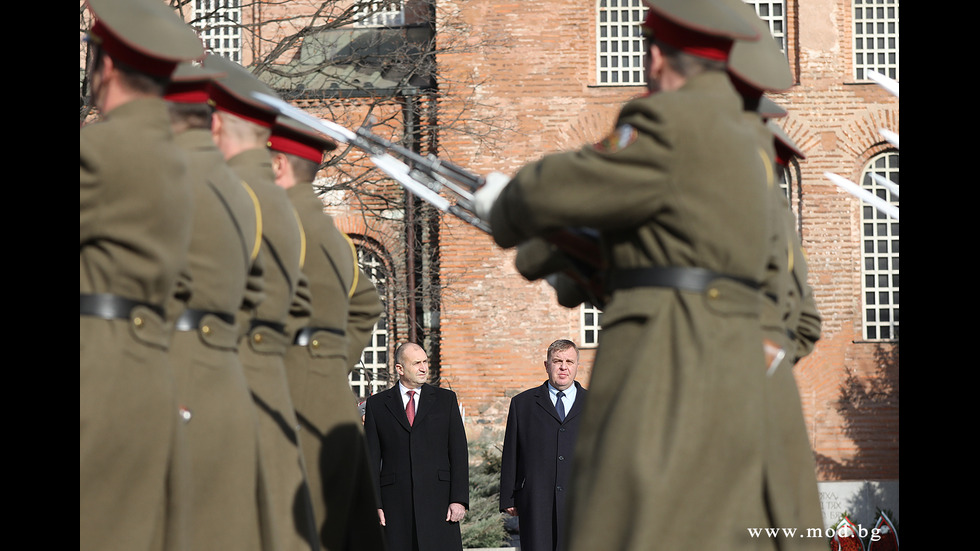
(670, 453)
(791, 481)
(331, 433)
(134, 231)
(290, 524)
(365, 311)
(221, 433)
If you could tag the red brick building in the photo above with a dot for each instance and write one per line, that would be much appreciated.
(508, 81)
(542, 81)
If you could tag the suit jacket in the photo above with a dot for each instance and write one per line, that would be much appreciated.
(424, 464)
(536, 465)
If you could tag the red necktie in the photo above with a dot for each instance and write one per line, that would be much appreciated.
(410, 407)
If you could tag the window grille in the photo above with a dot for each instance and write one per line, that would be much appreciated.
(876, 38)
(879, 254)
(219, 24)
(619, 44)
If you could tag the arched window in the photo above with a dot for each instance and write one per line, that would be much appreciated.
(879, 253)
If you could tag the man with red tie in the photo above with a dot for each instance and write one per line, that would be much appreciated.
(417, 447)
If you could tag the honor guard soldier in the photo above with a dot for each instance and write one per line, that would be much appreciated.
(220, 420)
(789, 314)
(670, 453)
(241, 129)
(317, 365)
(791, 482)
(135, 210)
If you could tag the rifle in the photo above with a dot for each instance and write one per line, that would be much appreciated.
(428, 177)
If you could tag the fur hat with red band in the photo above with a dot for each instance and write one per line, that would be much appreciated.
(702, 28)
(145, 35)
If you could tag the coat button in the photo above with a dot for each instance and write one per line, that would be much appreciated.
(315, 344)
(561, 458)
(138, 321)
(562, 429)
(713, 293)
(558, 488)
(206, 330)
(257, 338)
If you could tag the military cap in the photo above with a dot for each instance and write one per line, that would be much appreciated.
(191, 83)
(768, 109)
(757, 66)
(786, 148)
(233, 92)
(703, 28)
(295, 138)
(145, 35)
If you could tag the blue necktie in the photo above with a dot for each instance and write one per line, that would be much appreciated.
(560, 406)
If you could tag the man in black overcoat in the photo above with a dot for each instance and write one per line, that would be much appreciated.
(417, 447)
(538, 446)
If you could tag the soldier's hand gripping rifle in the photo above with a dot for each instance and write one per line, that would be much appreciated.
(428, 177)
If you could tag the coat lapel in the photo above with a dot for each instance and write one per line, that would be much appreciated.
(393, 401)
(426, 399)
(544, 401)
(578, 404)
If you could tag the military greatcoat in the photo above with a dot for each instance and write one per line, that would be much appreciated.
(221, 432)
(365, 310)
(789, 316)
(331, 433)
(283, 246)
(670, 451)
(791, 481)
(134, 231)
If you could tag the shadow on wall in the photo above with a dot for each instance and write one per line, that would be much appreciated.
(868, 406)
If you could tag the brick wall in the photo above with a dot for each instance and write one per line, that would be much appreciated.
(531, 75)
(517, 80)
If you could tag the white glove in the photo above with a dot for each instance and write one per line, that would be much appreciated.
(484, 198)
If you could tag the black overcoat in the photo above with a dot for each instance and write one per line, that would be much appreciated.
(422, 466)
(536, 465)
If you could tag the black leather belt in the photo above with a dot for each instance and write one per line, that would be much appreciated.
(275, 326)
(190, 319)
(111, 307)
(304, 335)
(685, 279)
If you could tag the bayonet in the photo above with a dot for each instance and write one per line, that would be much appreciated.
(857, 191)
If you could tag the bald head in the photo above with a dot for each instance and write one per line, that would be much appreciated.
(412, 365)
